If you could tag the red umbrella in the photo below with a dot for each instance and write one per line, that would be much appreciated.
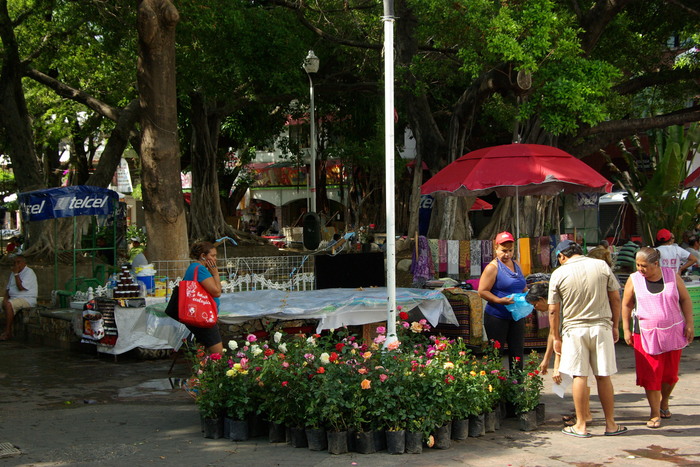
(693, 179)
(481, 205)
(516, 170)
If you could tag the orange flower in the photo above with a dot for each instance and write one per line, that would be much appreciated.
(366, 384)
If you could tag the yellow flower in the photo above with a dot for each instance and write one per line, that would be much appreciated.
(482, 373)
(366, 384)
(367, 355)
(244, 372)
(230, 373)
(448, 365)
(473, 373)
(490, 388)
(237, 366)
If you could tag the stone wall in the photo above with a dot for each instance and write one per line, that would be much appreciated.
(47, 327)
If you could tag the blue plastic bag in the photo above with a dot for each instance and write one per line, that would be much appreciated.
(520, 308)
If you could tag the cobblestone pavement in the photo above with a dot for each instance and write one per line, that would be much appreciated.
(69, 408)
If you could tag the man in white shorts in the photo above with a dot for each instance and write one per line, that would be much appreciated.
(586, 293)
(21, 292)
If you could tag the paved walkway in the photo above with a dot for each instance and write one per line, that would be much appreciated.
(63, 408)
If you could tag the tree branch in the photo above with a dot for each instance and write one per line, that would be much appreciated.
(666, 76)
(589, 140)
(685, 8)
(73, 94)
(597, 19)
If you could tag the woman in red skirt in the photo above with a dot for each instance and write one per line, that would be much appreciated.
(662, 326)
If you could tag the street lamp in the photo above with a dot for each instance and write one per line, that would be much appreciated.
(311, 66)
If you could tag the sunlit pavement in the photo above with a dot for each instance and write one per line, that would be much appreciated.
(67, 408)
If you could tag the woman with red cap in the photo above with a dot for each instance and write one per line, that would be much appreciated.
(503, 277)
(672, 256)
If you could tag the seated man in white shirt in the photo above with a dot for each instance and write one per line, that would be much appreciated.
(21, 292)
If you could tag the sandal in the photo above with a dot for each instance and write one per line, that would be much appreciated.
(620, 430)
(654, 422)
(665, 413)
(569, 430)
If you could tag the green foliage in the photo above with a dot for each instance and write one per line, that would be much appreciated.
(654, 181)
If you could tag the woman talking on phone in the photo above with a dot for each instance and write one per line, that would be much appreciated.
(204, 256)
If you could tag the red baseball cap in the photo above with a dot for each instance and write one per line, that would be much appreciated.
(504, 237)
(663, 235)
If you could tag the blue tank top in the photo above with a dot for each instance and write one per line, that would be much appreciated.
(507, 282)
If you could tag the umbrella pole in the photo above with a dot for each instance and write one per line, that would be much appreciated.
(517, 221)
(389, 109)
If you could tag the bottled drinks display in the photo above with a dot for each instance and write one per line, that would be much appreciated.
(126, 286)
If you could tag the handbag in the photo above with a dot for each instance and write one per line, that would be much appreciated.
(192, 305)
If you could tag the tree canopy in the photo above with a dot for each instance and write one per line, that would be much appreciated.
(470, 73)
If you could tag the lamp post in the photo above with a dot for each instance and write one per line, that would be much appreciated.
(311, 66)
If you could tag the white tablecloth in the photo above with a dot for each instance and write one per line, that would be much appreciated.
(138, 328)
(333, 308)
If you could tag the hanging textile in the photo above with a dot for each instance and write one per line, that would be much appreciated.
(464, 258)
(453, 257)
(434, 253)
(475, 258)
(442, 256)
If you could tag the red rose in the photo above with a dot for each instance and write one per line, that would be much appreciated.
(496, 345)
(215, 356)
(339, 346)
(321, 370)
(333, 357)
(285, 383)
(269, 352)
(403, 316)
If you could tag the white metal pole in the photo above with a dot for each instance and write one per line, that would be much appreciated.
(312, 176)
(388, 20)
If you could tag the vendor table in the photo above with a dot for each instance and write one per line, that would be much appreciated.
(138, 328)
(333, 308)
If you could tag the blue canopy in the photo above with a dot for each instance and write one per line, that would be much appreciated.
(69, 201)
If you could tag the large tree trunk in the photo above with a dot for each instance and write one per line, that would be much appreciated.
(206, 219)
(162, 189)
(14, 118)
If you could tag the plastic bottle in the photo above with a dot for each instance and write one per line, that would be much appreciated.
(167, 290)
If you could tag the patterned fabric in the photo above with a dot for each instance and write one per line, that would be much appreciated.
(442, 256)
(475, 258)
(464, 259)
(453, 257)
(486, 252)
(422, 265)
(434, 250)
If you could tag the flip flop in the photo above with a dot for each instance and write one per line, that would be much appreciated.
(620, 430)
(654, 423)
(569, 430)
(665, 413)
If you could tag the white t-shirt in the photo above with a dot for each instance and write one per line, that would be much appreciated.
(29, 282)
(672, 256)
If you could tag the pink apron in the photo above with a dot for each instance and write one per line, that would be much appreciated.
(661, 321)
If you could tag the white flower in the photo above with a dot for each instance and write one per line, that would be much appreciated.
(311, 341)
(325, 358)
(255, 349)
(282, 347)
(233, 345)
(278, 337)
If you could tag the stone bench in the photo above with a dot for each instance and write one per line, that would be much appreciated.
(47, 327)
